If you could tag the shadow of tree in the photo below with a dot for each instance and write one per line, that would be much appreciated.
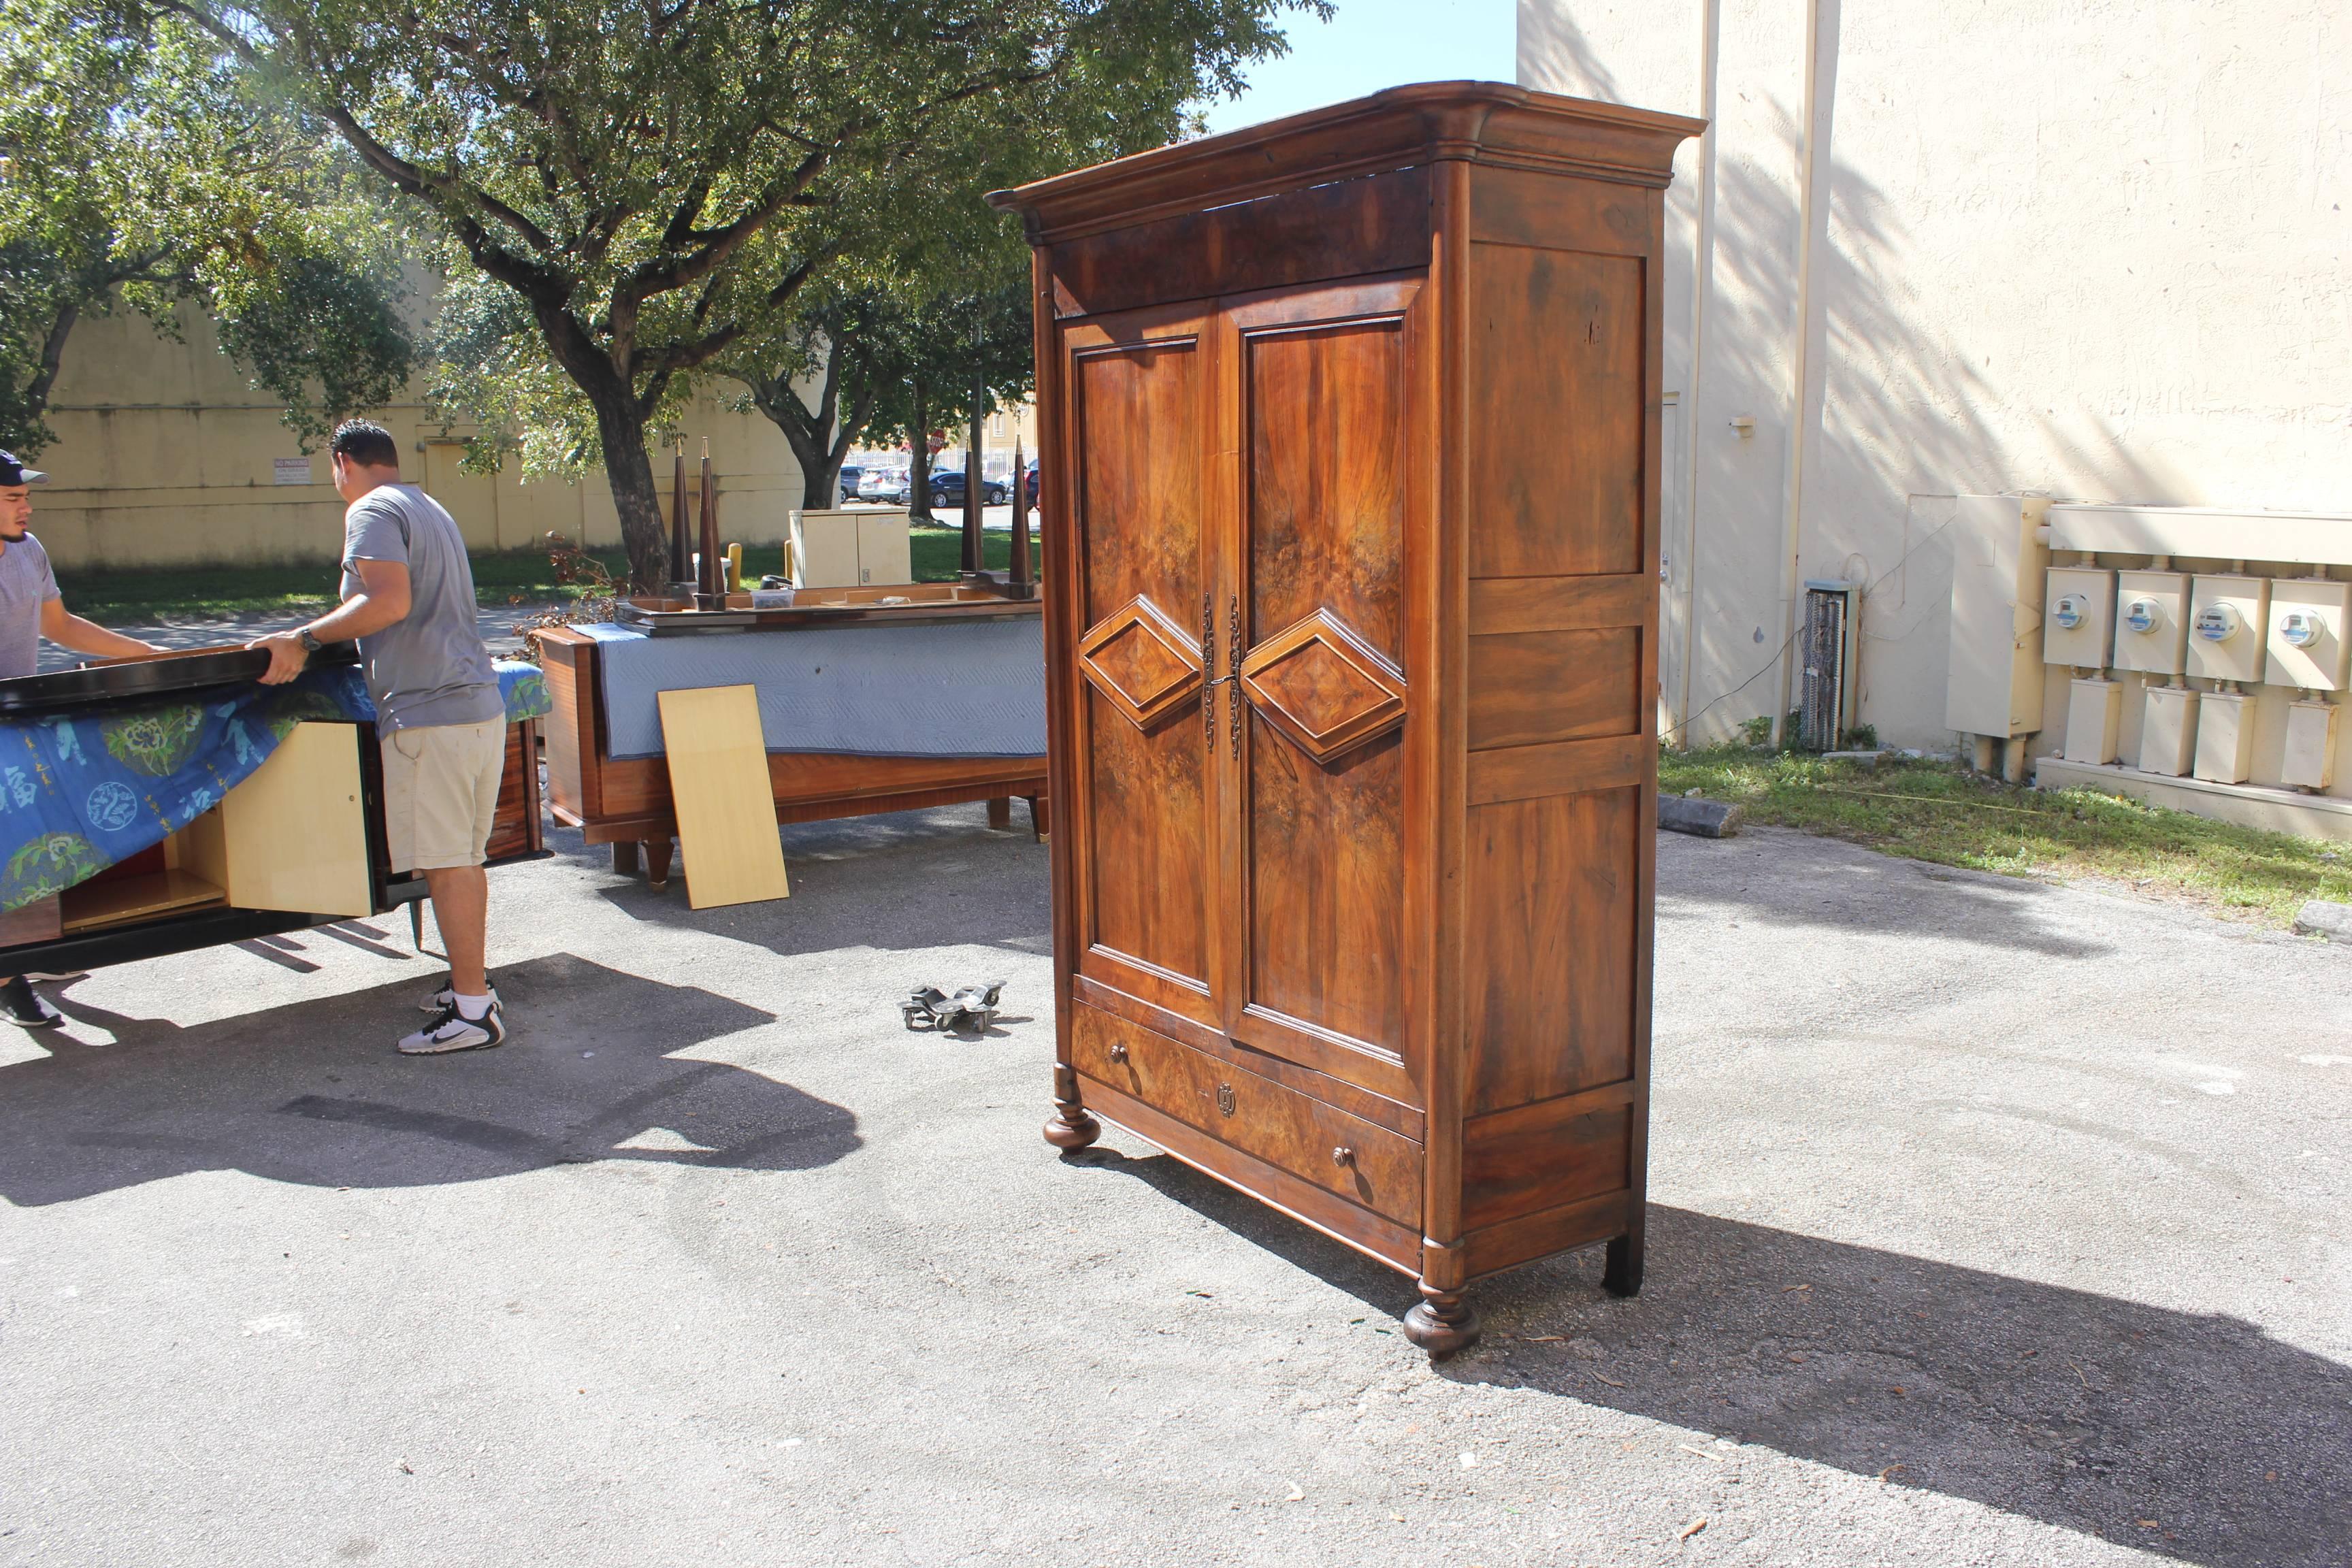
(312, 1093)
(1843, 889)
(2079, 1410)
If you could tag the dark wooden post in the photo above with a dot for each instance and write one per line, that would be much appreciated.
(711, 582)
(972, 559)
(679, 558)
(1023, 574)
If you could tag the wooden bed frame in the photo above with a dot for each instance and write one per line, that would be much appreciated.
(625, 802)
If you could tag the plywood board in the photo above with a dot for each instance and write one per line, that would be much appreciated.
(128, 899)
(294, 835)
(719, 782)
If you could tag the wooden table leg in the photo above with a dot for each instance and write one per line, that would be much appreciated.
(1041, 824)
(625, 857)
(657, 856)
(999, 813)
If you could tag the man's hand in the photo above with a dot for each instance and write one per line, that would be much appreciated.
(287, 657)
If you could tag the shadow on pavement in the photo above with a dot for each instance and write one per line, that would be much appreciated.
(2198, 1438)
(314, 1093)
(1844, 888)
(900, 881)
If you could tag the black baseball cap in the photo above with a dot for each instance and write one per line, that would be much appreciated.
(13, 473)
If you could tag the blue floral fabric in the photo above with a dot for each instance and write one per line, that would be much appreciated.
(81, 792)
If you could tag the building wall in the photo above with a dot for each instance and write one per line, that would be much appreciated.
(2080, 247)
(166, 457)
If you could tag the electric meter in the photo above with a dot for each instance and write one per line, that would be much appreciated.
(2301, 629)
(2070, 611)
(2143, 615)
(2217, 623)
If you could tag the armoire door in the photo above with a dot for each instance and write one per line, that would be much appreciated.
(1140, 389)
(1323, 418)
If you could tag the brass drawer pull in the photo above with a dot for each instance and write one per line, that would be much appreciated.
(1118, 1051)
(1343, 1155)
(1226, 1098)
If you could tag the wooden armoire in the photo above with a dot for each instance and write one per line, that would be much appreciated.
(1350, 430)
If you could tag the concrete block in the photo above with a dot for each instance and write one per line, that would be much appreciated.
(1699, 817)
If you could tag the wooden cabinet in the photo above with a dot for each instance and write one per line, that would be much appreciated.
(1352, 426)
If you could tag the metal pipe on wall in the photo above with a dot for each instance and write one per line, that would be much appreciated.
(1814, 145)
(1710, 39)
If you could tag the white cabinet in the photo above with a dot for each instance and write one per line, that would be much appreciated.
(2226, 618)
(2152, 622)
(859, 548)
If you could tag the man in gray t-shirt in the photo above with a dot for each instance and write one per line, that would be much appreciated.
(408, 598)
(31, 609)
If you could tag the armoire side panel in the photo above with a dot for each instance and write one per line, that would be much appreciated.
(1531, 689)
(1556, 343)
(1552, 919)
(1136, 415)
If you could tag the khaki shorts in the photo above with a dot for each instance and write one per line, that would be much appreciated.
(440, 791)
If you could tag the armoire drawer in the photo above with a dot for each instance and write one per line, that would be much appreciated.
(1343, 1154)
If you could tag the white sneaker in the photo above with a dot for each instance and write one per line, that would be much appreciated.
(452, 1031)
(441, 1001)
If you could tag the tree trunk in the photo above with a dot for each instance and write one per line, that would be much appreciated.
(630, 472)
(918, 458)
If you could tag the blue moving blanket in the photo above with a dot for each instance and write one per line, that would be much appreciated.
(81, 792)
(938, 688)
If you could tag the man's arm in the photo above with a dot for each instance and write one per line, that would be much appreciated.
(87, 637)
(381, 601)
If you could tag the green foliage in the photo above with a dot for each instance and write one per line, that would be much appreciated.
(655, 183)
(138, 163)
(1934, 811)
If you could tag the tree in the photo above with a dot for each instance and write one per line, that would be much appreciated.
(655, 180)
(862, 365)
(135, 164)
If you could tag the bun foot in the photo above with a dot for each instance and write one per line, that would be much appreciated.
(1071, 1127)
(1444, 1323)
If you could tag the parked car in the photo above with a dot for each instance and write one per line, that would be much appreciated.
(883, 485)
(853, 475)
(947, 489)
(1033, 482)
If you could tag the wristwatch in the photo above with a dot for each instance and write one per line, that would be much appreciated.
(309, 644)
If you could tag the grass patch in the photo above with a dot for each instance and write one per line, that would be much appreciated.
(131, 597)
(513, 576)
(939, 551)
(1936, 812)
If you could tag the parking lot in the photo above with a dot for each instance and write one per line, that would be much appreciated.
(1992, 1223)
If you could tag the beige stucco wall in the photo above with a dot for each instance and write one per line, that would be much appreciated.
(165, 457)
(2084, 248)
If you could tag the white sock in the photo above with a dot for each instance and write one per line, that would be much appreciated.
(471, 1008)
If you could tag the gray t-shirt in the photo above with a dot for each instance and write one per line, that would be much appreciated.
(25, 584)
(431, 666)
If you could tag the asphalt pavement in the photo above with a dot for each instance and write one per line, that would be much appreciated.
(1992, 1223)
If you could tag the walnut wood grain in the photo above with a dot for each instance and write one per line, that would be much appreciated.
(1373, 391)
(1346, 1155)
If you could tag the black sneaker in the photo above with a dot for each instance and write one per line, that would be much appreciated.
(25, 1007)
(447, 998)
(452, 1031)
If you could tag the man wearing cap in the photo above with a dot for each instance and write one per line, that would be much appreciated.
(31, 609)
(408, 597)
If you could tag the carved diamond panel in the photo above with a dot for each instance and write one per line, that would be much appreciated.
(1324, 686)
(1142, 660)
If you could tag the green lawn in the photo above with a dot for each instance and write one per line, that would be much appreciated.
(509, 577)
(1936, 810)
